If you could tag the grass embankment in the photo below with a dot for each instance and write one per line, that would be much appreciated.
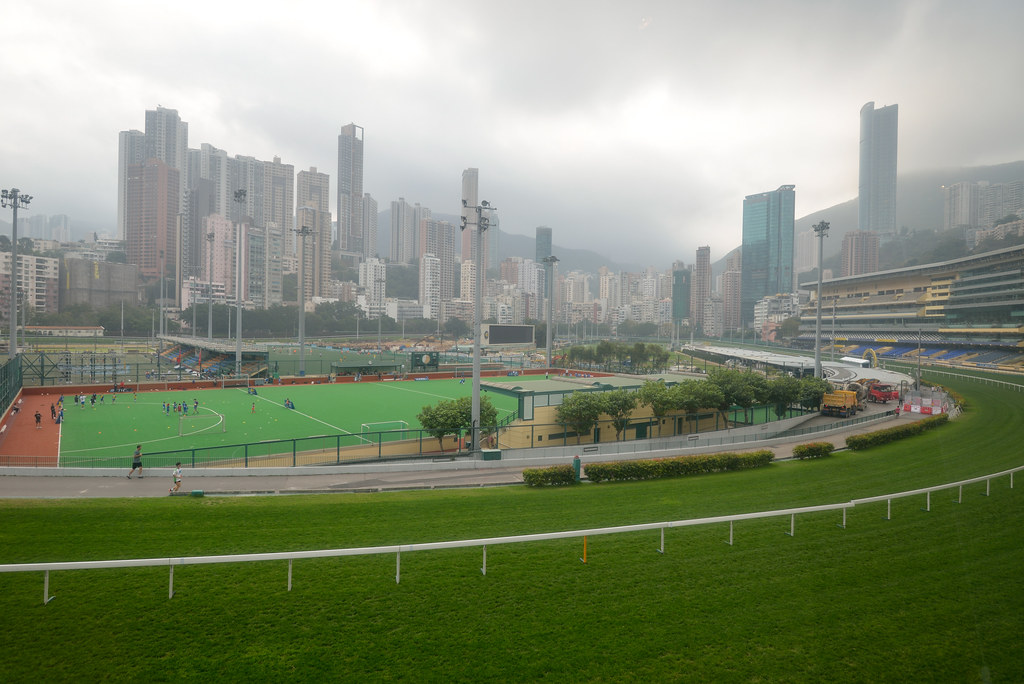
(924, 596)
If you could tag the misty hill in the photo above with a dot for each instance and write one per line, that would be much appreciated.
(919, 204)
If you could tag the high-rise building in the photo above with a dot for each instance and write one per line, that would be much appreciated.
(681, 284)
(312, 199)
(131, 150)
(700, 287)
(430, 285)
(438, 238)
(876, 199)
(151, 221)
(369, 226)
(350, 189)
(470, 200)
(767, 253)
(403, 229)
(731, 290)
(860, 253)
(373, 281)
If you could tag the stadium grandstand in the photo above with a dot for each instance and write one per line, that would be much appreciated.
(212, 358)
(967, 311)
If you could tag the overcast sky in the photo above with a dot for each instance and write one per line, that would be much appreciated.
(633, 128)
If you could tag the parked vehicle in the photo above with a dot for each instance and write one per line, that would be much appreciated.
(841, 403)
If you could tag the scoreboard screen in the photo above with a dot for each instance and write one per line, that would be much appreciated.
(496, 334)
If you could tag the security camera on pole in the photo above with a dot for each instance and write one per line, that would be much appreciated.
(483, 221)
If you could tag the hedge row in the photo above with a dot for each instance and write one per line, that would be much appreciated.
(697, 464)
(880, 437)
(813, 450)
(557, 476)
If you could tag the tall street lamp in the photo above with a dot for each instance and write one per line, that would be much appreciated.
(210, 237)
(482, 223)
(14, 199)
(240, 200)
(820, 232)
(302, 233)
(549, 268)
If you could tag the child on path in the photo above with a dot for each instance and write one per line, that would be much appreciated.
(177, 478)
(136, 461)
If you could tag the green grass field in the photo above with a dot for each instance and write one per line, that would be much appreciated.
(925, 596)
(105, 434)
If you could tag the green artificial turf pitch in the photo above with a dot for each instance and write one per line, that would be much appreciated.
(105, 434)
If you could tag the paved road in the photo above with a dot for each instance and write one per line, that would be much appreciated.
(114, 484)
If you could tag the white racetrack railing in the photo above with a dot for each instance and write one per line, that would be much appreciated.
(397, 549)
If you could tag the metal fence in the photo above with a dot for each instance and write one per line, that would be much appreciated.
(398, 549)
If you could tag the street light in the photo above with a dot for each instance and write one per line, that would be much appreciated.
(378, 297)
(210, 237)
(14, 199)
(483, 222)
(240, 200)
(302, 233)
(820, 232)
(549, 267)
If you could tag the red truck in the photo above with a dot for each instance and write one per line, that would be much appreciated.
(881, 392)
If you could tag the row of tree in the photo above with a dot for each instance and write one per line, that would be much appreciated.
(611, 356)
(723, 389)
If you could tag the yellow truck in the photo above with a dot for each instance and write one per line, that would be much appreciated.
(841, 403)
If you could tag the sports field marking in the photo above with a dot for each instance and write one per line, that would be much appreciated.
(428, 394)
(306, 415)
(153, 441)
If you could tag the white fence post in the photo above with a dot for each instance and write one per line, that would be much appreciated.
(170, 586)
(484, 568)
(398, 566)
(662, 549)
(290, 574)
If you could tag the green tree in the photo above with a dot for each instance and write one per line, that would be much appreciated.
(441, 420)
(657, 396)
(812, 389)
(783, 391)
(456, 328)
(580, 411)
(619, 404)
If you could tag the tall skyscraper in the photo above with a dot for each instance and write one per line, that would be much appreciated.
(350, 189)
(403, 229)
(767, 247)
(151, 230)
(131, 150)
(700, 287)
(731, 290)
(313, 200)
(471, 199)
(877, 182)
(438, 238)
(369, 226)
(430, 285)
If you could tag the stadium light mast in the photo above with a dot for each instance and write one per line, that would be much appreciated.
(550, 262)
(302, 233)
(482, 223)
(240, 201)
(210, 237)
(820, 232)
(14, 199)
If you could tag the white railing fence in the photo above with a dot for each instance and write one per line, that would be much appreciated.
(398, 549)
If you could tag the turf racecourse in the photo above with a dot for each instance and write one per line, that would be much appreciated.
(925, 596)
(104, 434)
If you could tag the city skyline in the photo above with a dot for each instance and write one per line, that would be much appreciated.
(592, 120)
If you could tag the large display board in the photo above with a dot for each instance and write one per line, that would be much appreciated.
(495, 334)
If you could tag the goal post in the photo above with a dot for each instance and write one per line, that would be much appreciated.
(395, 429)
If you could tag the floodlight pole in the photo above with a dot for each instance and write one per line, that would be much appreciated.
(549, 262)
(160, 336)
(483, 221)
(210, 237)
(14, 199)
(240, 200)
(302, 233)
(821, 232)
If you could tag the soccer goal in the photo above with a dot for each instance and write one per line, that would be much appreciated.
(394, 429)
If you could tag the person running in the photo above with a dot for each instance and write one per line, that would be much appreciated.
(136, 461)
(253, 407)
(177, 478)
(195, 406)
(39, 420)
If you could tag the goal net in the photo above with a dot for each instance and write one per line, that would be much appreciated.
(392, 429)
